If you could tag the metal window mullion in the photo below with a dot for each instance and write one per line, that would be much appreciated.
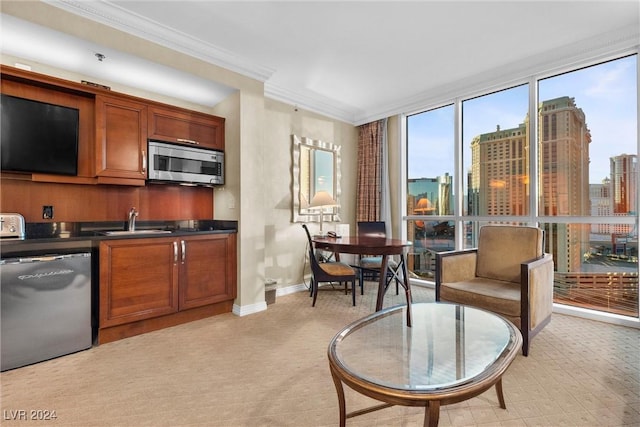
(458, 173)
(404, 173)
(533, 151)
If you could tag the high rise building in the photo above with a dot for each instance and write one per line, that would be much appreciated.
(499, 178)
(437, 191)
(600, 196)
(563, 162)
(500, 172)
(624, 178)
(624, 190)
(563, 158)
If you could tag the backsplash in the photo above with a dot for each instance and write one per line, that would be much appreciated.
(76, 202)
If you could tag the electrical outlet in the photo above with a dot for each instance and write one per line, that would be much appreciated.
(47, 212)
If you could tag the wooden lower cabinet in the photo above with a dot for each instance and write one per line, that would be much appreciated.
(138, 280)
(151, 283)
(208, 274)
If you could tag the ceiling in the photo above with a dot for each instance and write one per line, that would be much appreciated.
(358, 61)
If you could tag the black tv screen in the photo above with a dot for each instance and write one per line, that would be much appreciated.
(38, 137)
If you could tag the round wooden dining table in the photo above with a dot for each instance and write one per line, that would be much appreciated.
(373, 246)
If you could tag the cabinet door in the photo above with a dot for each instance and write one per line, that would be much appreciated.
(138, 279)
(208, 270)
(186, 127)
(121, 138)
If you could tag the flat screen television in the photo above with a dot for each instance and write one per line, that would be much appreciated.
(38, 137)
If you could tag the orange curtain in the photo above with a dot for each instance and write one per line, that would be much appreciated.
(369, 184)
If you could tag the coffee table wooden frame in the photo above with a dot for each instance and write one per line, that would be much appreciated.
(430, 399)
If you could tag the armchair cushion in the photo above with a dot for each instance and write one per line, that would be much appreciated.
(494, 295)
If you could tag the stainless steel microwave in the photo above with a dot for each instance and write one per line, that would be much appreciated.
(182, 164)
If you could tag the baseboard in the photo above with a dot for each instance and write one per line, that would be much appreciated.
(245, 310)
(286, 290)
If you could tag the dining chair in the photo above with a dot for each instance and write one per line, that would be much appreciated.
(328, 272)
(369, 265)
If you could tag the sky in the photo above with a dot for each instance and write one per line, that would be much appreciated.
(607, 93)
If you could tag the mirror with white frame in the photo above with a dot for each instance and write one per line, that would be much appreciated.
(316, 167)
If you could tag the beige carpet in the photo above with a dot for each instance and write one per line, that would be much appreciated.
(271, 369)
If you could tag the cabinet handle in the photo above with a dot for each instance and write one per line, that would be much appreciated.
(144, 162)
(188, 141)
(184, 250)
(175, 252)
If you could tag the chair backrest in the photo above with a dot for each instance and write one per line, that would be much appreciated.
(306, 230)
(502, 248)
(312, 256)
(372, 229)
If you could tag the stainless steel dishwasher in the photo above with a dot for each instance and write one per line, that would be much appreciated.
(46, 307)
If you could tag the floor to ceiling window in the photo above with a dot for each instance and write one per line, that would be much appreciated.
(588, 169)
(569, 166)
(430, 171)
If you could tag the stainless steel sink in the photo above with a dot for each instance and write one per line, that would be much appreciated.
(134, 232)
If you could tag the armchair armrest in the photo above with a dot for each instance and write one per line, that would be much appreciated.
(455, 266)
(537, 290)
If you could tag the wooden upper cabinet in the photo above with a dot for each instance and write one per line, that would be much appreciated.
(121, 141)
(186, 127)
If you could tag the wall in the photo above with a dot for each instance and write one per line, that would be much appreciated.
(225, 196)
(285, 242)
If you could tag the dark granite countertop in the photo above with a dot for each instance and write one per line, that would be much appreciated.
(77, 235)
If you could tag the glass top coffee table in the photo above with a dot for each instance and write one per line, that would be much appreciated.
(450, 353)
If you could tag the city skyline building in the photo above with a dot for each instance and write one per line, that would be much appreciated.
(437, 191)
(624, 189)
(563, 164)
(600, 196)
(500, 172)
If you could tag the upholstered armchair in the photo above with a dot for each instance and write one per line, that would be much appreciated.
(508, 274)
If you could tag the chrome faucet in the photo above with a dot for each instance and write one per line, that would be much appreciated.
(133, 213)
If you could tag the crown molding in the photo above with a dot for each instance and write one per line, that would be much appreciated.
(114, 16)
(326, 107)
